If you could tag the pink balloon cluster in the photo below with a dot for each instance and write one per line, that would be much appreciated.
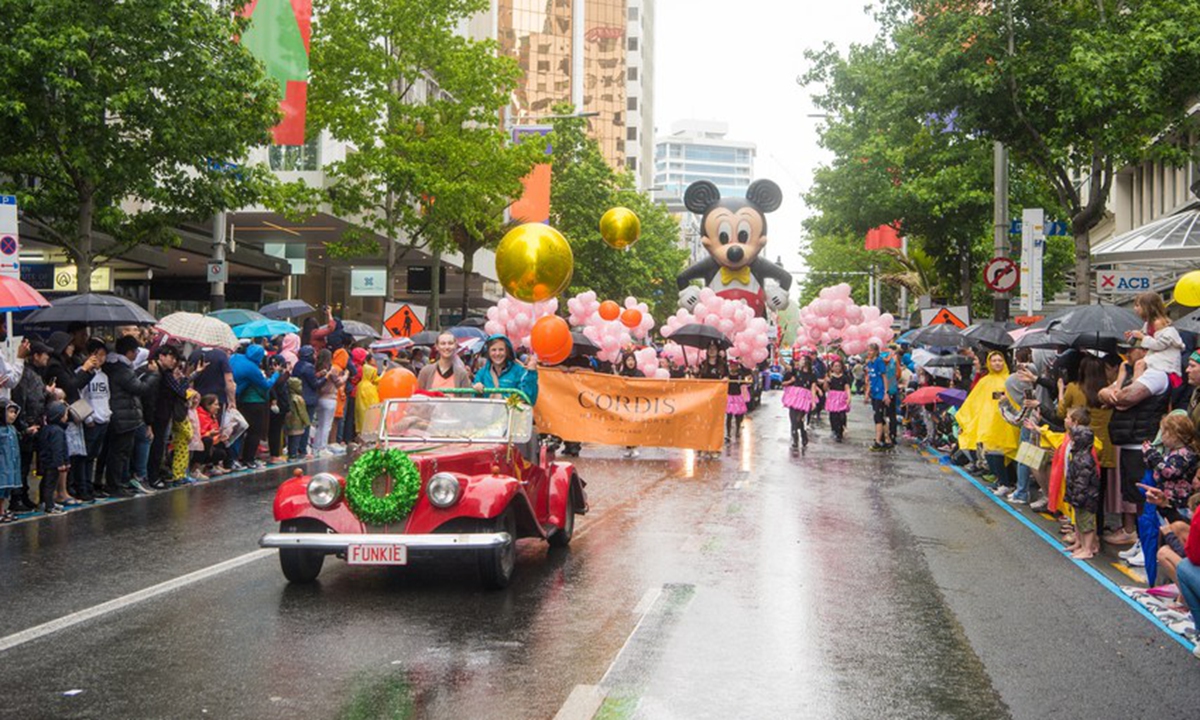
(611, 335)
(647, 362)
(736, 321)
(678, 356)
(834, 317)
(515, 318)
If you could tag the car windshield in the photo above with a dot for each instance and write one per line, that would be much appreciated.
(423, 419)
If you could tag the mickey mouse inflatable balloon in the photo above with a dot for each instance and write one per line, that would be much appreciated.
(734, 231)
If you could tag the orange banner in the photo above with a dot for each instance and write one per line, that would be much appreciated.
(585, 406)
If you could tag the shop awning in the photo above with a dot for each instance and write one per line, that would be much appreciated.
(1172, 239)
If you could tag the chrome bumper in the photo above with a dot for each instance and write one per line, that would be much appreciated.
(334, 543)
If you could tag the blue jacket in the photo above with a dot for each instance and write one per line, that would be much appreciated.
(514, 377)
(252, 385)
(306, 371)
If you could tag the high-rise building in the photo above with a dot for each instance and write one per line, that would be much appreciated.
(699, 150)
(580, 52)
(639, 91)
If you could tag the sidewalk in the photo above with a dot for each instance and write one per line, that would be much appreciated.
(32, 515)
(1128, 583)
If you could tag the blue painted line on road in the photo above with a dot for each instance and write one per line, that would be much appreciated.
(1082, 564)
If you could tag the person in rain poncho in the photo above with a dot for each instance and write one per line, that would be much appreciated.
(983, 428)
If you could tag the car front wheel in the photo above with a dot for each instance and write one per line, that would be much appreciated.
(300, 566)
(561, 537)
(496, 564)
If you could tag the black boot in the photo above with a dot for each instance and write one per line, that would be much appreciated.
(795, 440)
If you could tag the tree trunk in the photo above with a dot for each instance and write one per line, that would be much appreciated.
(433, 322)
(1083, 266)
(83, 259)
(468, 267)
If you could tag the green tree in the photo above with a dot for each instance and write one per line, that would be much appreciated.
(431, 167)
(1076, 90)
(584, 187)
(898, 161)
(118, 119)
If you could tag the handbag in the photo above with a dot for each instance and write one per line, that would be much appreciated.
(234, 425)
(1031, 455)
(80, 410)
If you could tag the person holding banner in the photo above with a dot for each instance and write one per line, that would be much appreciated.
(628, 368)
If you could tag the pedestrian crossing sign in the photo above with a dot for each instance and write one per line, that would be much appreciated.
(404, 322)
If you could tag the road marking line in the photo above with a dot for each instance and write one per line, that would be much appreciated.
(1129, 573)
(647, 600)
(62, 623)
(1081, 564)
(581, 704)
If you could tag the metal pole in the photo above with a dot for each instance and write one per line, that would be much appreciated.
(217, 296)
(1000, 218)
(903, 290)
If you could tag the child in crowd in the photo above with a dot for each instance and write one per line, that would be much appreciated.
(1176, 466)
(214, 452)
(10, 460)
(298, 421)
(195, 443)
(1159, 371)
(837, 398)
(54, 461)
(1083, 482)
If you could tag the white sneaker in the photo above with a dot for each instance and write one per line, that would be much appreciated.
(1039, 505)
(1138, 560)
(1016, 500)
(1001, 490)
(1131, 552)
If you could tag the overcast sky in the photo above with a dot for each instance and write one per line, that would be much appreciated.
(737, 62)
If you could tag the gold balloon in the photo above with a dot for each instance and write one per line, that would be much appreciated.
(534, 262)
(1187, 289)
(620, 228)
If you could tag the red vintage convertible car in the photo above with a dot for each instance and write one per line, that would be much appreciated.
(456, 473)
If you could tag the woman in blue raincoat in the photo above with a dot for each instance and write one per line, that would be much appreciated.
(503, 371)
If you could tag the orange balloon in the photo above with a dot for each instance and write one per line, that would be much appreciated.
(397, 384)
(631, 318)
(609, 310)
(551, 340)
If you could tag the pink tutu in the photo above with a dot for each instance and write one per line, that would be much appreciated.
(837, 401)
(798, 398)
(735, 405)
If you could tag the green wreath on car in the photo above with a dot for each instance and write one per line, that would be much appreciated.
(360, 491)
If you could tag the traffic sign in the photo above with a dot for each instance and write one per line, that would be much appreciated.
(218, 271)
(945, 316)
(404, 322)
(1001, 275)
(10, 240)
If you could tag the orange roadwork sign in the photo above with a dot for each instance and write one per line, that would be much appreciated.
(945, 317)
(404, 323)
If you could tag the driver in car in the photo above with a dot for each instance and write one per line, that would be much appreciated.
(503, 371)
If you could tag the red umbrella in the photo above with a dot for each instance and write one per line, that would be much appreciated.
(16, 296)
(927, 395)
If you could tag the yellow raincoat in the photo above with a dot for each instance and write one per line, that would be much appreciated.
(980, 420)
(368, 394)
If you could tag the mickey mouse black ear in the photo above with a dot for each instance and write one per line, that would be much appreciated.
(765, 195)
(700, 196)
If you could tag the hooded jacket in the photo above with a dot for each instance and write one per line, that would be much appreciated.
(62, 371)
(368, 394)
(126, 393)
(513, 377)
(252, 385)
(979, 418)
(290, 350)
(306, 372)
(297, 419)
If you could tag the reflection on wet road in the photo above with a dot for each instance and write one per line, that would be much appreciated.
(761, 585)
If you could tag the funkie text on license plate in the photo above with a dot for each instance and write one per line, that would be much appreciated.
(377, 555)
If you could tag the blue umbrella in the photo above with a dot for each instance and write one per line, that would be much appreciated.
(234, 317)
(286, 309)
(264, 328)
(1148, 532)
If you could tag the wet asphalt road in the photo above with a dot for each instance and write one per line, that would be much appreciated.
(762, 585)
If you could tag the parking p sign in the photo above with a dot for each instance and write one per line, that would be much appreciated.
(1123, 282)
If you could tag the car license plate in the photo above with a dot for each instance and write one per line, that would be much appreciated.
(377, 555)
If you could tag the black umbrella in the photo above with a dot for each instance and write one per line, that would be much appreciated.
(1109, 320)
(474, 321)
(989, 333)
(91, 309)
(286, 309)
(1041, 338)
(427, 338)
(1189, 322)
(700, 336)
(941, 336)
(582, 345)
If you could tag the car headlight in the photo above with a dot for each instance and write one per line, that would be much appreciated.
(324, 490)
(443, 490)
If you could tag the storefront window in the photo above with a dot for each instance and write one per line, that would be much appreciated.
(296, 158)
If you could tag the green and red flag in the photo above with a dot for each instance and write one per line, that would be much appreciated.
(279, 35)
